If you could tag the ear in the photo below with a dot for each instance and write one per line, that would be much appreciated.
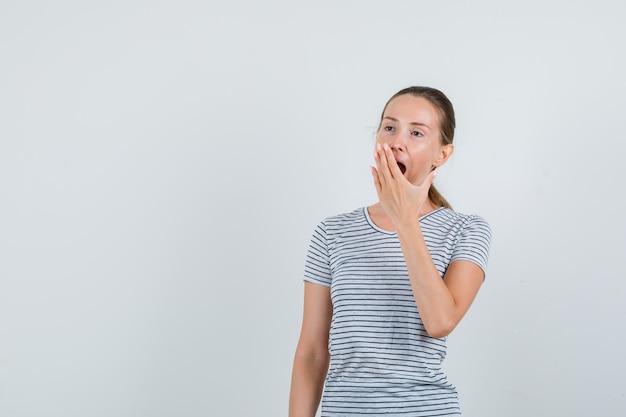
(444, 153)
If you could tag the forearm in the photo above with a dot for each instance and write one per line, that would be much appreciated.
(434, 300)
(307, 384)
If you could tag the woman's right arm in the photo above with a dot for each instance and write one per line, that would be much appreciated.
(312, 358)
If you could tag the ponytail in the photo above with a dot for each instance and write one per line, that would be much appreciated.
(437, 199)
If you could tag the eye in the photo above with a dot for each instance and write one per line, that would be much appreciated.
(416, 133)
(388, 128)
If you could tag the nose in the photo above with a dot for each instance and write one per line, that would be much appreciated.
(395, 139)
(397, 143)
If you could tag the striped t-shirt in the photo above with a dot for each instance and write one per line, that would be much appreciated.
(383, 362)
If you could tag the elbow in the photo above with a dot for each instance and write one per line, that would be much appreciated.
(317, 357)
(320, 360)
(438, 333)
(440, 329)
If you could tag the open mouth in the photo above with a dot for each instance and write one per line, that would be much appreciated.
(402, 167)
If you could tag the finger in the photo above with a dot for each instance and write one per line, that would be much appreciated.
(384, 169)
(376, 180)
(429, 178)
(380, 165)
(394, 169)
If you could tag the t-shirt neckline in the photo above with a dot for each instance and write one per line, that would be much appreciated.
(395, 232)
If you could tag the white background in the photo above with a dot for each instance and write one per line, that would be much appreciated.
(163, 164)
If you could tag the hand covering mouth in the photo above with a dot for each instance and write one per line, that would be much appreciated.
(402, 167)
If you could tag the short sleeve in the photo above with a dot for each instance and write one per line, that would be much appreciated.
(317, 265)
(473, 243)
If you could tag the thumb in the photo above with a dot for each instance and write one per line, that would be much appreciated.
(429, 178)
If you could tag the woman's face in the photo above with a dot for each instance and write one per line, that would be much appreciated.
(410, 126)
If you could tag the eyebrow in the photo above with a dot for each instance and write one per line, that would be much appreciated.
(412, 123)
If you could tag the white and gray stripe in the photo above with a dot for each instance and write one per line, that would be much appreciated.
(383, 362)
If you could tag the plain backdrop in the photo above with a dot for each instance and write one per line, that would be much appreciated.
(164, 163)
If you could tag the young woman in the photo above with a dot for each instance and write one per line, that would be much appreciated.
(385, 284)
